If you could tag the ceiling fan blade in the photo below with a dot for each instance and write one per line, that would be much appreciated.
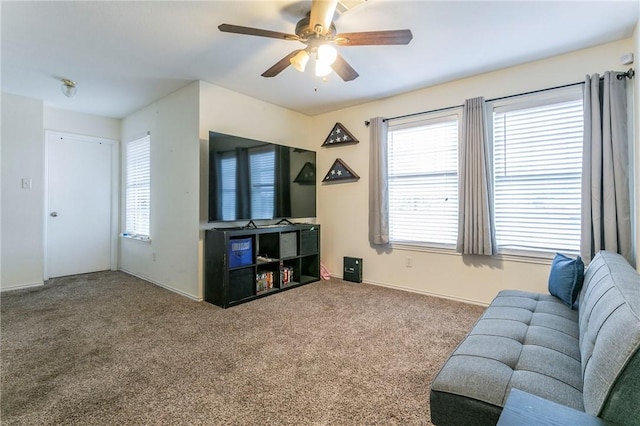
(279, 66)
(322, 14)
(343, 69)
(374, 38)
(237, 29)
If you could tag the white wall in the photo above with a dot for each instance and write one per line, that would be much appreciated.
(224, 111)
(81, 124)
(343, 208)
(171, 258)
(23, 123)
(22, 209)
(179, 125)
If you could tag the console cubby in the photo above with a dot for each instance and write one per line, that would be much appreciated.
(293, 265)
(243, 282)
(309, 268)
(242, 264)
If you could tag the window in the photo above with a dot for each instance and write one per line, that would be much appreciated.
(537, 165)
(537, 154)
(138, 187)
(423, 181)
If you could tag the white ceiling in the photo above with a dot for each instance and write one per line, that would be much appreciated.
(126, 54)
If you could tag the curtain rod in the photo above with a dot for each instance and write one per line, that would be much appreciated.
(628, 74)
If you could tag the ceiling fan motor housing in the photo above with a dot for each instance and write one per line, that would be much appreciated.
(306, 33)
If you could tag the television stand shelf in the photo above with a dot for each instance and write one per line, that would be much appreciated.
(243, 264)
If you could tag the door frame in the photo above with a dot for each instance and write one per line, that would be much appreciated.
(115, 199)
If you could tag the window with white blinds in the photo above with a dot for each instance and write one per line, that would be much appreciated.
(423, 181)
(138, 187)
(537, 154)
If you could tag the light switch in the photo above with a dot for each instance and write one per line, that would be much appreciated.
(26, 183)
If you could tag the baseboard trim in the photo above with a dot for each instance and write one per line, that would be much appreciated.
(22, 286)
(163, 285)
(423, 292)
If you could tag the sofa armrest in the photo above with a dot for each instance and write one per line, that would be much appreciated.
(523, 408)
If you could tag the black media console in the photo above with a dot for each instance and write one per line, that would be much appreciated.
(242, 264)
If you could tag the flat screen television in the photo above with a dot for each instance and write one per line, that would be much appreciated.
(258, 180)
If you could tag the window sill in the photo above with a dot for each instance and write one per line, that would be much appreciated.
(542, 258)
(141, 238)
(440, 249)
(528, 257)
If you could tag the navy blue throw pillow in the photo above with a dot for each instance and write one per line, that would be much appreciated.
(565, 279)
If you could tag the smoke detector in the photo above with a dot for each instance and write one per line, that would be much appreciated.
(346, 5)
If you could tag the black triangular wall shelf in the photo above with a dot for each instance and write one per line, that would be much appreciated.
(339, 136)
(339, 171)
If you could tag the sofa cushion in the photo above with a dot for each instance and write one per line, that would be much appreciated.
(610, 339)
(565, 278)
(523, 340)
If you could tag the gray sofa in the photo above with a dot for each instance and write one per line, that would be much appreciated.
(587, 359)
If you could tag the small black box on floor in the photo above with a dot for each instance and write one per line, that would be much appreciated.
(352, 270)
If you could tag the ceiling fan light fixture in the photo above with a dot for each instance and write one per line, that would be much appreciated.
(322, 68)
(299, 61)
(68, 87)
(318, 33)
(327, 54)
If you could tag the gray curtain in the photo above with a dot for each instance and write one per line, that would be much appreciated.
(606, 211)
(475, 217)
(378, 182)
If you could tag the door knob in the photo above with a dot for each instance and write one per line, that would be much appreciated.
(54, 214)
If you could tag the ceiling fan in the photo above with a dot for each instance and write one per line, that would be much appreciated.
(318, 33)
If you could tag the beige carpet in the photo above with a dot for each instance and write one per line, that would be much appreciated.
(108, 348)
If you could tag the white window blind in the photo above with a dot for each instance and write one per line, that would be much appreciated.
(537, 151)
(423, 181)
(262, 167)
(138, 187)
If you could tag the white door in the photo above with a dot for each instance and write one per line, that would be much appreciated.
(79, 204)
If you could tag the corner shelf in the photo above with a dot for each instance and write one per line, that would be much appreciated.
(243, 264)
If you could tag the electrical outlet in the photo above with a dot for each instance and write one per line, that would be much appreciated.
(408, 262)
(27, 183)
(153, 256)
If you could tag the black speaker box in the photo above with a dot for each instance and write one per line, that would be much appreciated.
(352, 270)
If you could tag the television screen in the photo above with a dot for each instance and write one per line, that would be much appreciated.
(253, 180)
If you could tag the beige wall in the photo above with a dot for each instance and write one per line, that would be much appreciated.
(180, 124)
(81, 124)
(22, 219)
(224, 111)
(343, 208)
(23, 156)
(171, 258)
(636, 115)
